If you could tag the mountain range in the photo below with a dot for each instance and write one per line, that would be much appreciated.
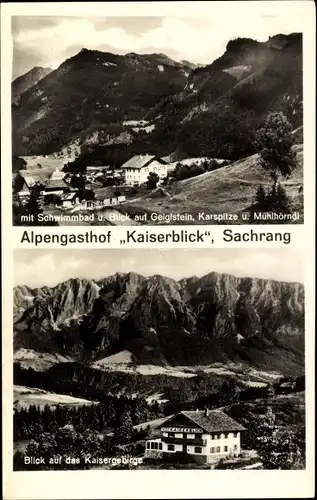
(90, 90)
(193, 111)
(28, 80)
(160, 321)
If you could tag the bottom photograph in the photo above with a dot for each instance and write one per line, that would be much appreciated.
(159, 359)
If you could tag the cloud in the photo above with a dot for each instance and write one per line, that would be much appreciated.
(198, 39)
(38, 267)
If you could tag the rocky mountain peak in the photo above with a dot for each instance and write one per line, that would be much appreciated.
(194, 320)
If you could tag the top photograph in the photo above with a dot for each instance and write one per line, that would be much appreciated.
(128, 121)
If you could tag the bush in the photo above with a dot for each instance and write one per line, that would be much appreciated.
(52, 199)
(86, 194)
(235, 464)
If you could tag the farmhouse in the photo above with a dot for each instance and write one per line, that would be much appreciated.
(24, 192)
(104, 197)
(69, 199)
(30, 181)
(96, 168)
(55, 186)
(58, 174)
(137, 169)
(203, 435)
(33, 179)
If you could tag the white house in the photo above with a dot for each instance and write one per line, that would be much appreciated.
(204, 435)
(137, 169)
(24, 192)
(109, 201)
(55, 186)
(58, 174)
(97, 168)
(69, 199)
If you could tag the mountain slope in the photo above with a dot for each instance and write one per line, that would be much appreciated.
(161, 321)
(90, 90)
(223, 103)
(229, 189)
(26, 81)
(211, 111)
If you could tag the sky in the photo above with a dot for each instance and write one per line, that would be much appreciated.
(37, 268)
(49, 40)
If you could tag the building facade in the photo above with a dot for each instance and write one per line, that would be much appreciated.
(201, 435)
(138, 168)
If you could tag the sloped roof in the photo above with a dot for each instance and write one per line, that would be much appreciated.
(108, 192)
(214, 421)
(98, 167)
(57, 174)
(140, 161)
(31, 180)
(56, 183)
(68, 196)
(25, 190)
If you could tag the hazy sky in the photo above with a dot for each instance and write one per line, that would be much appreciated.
(48, 267)
(48, 41)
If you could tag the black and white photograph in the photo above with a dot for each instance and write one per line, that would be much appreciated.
(159, 359)
(152, 120)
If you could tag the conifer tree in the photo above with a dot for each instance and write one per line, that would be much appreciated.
(33, 205)
(275, 141)
(124, 431)
(261, 198)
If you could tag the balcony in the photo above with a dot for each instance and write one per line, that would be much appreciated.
(194, 442)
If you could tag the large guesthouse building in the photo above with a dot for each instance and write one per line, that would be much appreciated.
(138, 168)
(202, 435)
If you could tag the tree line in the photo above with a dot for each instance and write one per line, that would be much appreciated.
(111, 413)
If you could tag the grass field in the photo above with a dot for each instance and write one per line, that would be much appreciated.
(229, 189)
(26, 396)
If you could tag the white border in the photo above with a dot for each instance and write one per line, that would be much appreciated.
(159, 484)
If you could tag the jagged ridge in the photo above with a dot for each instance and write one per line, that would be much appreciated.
(28, 80)
(217, 317)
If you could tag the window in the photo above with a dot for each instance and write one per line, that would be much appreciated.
(171, 434)
(225, 436)
(235, 434)
(148, 445)
(225, 448)
(218, 449)
(190, 436)
(213, 450)
(198, 449)
(215, 436)
(171, 447)
(178, 435)
(152, 446)
(156, 446)
(235, 447)
(160, 446)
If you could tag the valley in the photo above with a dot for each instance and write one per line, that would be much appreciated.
(202, 122)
